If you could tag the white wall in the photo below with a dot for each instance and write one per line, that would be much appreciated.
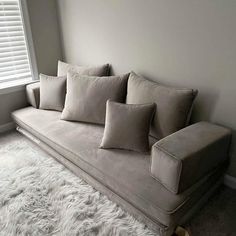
(9, 102)
(185, 43)
(45, 33)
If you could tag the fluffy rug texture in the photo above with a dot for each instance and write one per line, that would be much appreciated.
(38, 196)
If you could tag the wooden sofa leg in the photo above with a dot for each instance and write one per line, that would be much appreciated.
(180, 231)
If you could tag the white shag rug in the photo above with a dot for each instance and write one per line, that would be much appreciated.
(39, 196)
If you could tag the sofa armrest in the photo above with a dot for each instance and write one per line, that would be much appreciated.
(33, 94)
(182, 158)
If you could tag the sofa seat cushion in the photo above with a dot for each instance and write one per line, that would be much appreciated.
(124, 172)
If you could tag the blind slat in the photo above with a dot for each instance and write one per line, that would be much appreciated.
(12, 39)
(10, 23)
(16, 77)
(10, 18)
(14, 72)
(9, 13)
(14, 67)
(12, 48)
(20, 75)
(11, 28)
(11, 34)
(13, 54)
(15, 58)
(12, 44)
(11, 2)
(12, 63)
(8, 7)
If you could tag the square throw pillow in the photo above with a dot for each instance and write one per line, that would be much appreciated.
(52, 92)
(63, 68)
(173, 105)
(127, 126)
(87, 96)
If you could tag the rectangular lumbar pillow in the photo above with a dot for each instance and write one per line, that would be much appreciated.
(127, 126)
(173, 105)
(52, 92)
(87, 96)
(63, 68)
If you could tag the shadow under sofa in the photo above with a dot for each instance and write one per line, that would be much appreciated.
(191, 164)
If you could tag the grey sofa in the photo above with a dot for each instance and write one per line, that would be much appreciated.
(163, 189)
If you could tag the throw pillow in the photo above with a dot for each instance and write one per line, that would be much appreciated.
(173, 105)
(63, 68)
(52, 92)
(127, 126)
(87, 96)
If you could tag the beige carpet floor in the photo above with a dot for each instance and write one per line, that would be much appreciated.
(217, 218)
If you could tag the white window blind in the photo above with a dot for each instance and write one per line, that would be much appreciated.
(14, 58)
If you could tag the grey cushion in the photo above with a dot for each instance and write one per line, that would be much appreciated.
(125, 173)
(127, 126)
(52, 92)
(87, 96)
(63, 68)
(173, 105)
(189, 154)
(33, 93)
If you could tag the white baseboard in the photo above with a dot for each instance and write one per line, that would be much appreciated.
(230, 181)
(7, 127)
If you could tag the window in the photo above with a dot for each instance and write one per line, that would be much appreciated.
(14, 54)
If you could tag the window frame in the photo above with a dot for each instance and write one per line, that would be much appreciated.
(29, 38)
(30, 49)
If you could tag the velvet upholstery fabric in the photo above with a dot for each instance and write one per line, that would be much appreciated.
(87, 96)
(189, 154)
(126, 173)
(63, 68)
(173, 105)
(127, 126)
(52, 92)
(33, 94)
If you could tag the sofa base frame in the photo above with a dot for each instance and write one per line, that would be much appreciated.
(155, 226)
